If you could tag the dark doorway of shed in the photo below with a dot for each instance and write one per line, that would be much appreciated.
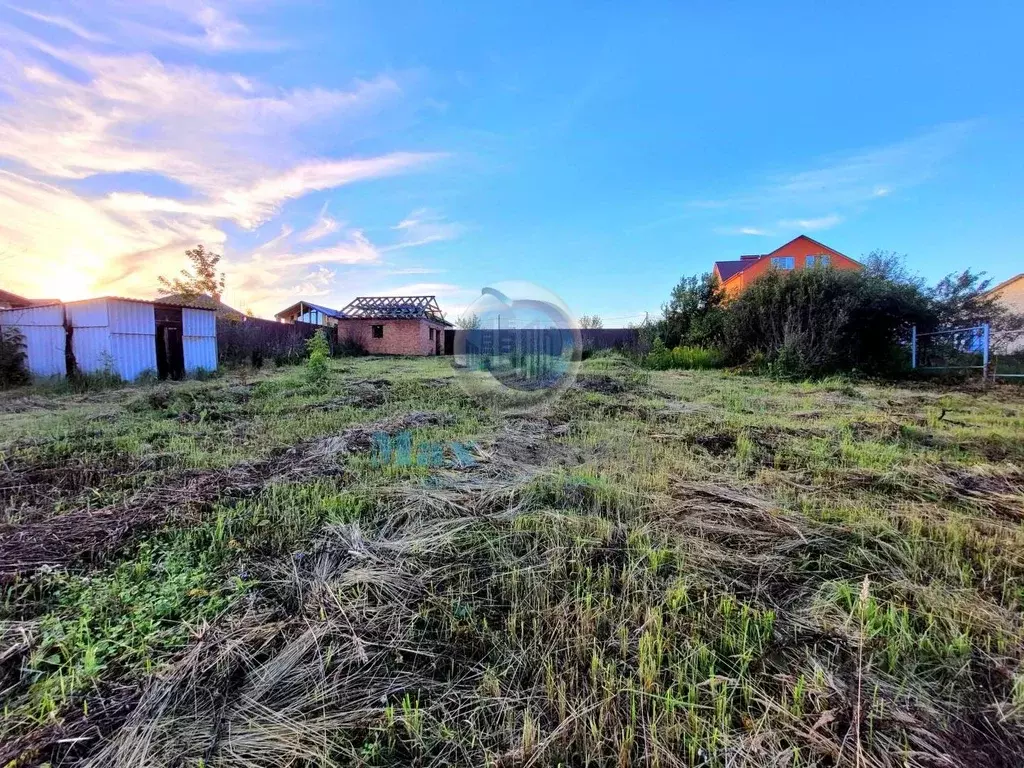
(170, 353)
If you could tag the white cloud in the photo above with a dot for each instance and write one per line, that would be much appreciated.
(811, 225)
(214, 29)
(415, 271)
(251, 206)
(424, 226)
(63, 23)
(324, 225)
(208, 130)
(841, 185)
(64, 245)
(235, 145)
(357, 249)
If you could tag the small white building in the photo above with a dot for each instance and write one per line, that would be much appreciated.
(42, 327)
(127, 337)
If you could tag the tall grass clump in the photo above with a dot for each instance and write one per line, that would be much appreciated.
(661, 358)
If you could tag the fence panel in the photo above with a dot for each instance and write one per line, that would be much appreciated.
(1007, 353)
(955, 349)
(254, 339)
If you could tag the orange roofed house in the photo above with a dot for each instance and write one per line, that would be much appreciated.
(799, 253)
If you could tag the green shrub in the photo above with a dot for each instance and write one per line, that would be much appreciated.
(318, 365)
(13, 359)
(814, 322)
(661, 358)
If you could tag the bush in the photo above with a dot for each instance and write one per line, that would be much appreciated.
(662, 358)
(318, 365)
(819, 321)
(13, 359)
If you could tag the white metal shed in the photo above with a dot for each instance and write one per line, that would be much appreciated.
(43, 330)
(127, 337)
(113, 334)
(199, 339)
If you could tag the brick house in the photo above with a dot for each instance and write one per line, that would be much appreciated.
(799, 253)
(382, 325)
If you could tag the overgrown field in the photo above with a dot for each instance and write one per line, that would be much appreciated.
(666, 569)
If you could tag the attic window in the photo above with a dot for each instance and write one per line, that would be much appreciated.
(822, 258)
(783, 262)
(378, 331)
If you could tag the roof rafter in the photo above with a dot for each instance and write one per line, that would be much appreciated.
(395, 307)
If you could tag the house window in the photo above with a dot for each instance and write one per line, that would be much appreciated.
(783, 262)
(378, 331)
(431, 334)
(822, 258)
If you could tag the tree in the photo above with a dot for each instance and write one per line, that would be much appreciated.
(591, 321)
(203, 279)
(694, 313)
(470, 322)
(962, 300)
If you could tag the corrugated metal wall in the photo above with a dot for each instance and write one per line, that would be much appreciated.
(109, 333)
(199, 338)
(91, 313)
(115, 334)
(132, 337)
(90, 335)
(43, 329)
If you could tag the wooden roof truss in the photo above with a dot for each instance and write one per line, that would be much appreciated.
(395, 307)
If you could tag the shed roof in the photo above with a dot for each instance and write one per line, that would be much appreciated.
(20, 301)
(154, 302)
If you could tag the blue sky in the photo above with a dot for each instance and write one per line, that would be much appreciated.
(597, 149)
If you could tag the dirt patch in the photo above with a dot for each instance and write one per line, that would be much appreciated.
(717, 444)
(1001, 494)
(88, 534)
(31, 490)
(365, 393)
(360, 439)
(605, 385)
(533, 441)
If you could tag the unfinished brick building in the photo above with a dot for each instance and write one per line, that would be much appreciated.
(383, 325)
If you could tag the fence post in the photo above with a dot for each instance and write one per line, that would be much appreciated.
(913, 347)
(984, 351)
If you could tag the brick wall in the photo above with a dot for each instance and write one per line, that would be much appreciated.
(799, 249)
(401, 337)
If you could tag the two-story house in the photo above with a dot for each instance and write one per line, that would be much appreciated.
(799, 253)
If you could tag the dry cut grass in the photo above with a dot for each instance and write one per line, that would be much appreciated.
(669, 569)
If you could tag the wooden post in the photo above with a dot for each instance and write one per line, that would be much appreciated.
(913, 347)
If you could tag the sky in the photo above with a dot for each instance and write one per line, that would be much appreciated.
(600, 150)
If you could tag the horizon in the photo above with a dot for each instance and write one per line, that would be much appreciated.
(331, 151)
